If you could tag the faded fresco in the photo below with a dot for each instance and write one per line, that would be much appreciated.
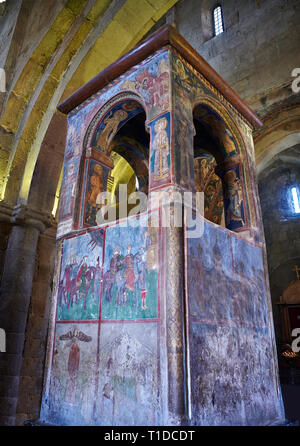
(67, 199)
(233, 199)
(128, 378)
(80, 277)
(250, 284)
(210, 276)
(70, 400)
(229, 332)
(232, 376)
(183, 150)
(130, 272)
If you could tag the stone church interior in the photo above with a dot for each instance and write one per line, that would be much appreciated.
(109, 316)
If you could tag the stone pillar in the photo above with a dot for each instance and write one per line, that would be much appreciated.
(15, 295)
(175, 314)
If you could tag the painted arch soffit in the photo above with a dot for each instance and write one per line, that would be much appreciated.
(230, 129)
(110, 118)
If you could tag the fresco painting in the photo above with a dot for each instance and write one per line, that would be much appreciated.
(113, 121)
(233, 199)
(112, 364)
(128, 378)
(75, 138)
(210, 273)
(183, 150)
(80, 277)
(250, 282)
(160, 158)
(68, 191)
(206, 180)
(226, 279)
(96, 183)
(130, 272)
(228, 331)
(152, 83)
(242, 392)
(72, 390)
(218, 128)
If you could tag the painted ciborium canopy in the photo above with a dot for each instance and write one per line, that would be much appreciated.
(153, 326)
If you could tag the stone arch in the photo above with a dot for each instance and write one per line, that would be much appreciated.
(220, 110)
(281, 130)
(103, 114)
(97, 162)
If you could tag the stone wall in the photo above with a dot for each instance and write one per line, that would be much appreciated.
(256, 53)
(282, 229)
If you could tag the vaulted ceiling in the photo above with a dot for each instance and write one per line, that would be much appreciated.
(48, 53)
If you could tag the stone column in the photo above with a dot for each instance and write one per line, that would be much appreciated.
(175, 314)
(15, 295)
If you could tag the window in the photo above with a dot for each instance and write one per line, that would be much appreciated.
(295, 200)
(218, 20)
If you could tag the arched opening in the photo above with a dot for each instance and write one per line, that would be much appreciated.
(217, 169)
(118, 164)
(129, 150)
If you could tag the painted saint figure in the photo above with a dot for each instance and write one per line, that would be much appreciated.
(128, 274)
(142, 268)
(68, 192)
(111, 125)
(97, 281)
(161, 149)
(234, 195)
(73, 361)
(184, 140)
(96, 185)
(81, 277)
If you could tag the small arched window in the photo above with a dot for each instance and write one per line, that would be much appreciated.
(218, 20)
(295, 199)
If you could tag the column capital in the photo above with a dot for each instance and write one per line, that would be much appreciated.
(24, 215)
